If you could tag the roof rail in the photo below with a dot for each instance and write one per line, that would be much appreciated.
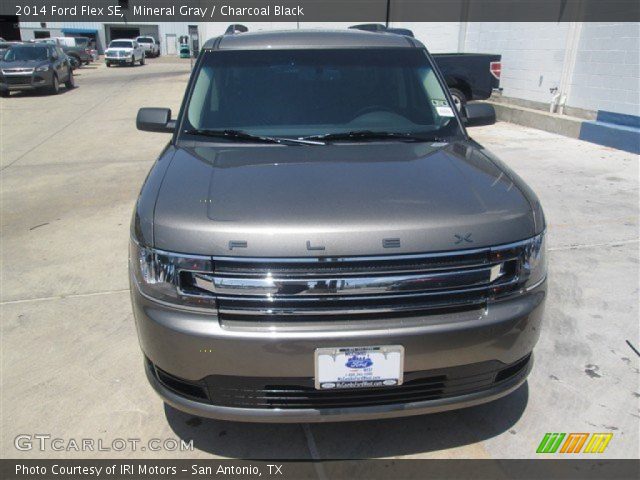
(235, 28)
(378, 27)
(369, 27)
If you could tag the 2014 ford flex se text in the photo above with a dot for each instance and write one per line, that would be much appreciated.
(321, 240)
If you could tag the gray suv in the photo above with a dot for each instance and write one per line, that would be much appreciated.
(321, 240)
(35, 67)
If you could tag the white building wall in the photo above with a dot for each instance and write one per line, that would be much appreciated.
(438, 37)
(607, 71)
(532, 55)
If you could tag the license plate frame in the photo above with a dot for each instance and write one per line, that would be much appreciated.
(348, 368)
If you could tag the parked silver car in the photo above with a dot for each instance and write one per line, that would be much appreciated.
(321, 239)
(124, 52)
(151, 46)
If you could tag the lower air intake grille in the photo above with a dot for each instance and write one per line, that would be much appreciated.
(292, 393)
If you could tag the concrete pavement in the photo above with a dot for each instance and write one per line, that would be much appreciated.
(72, 165)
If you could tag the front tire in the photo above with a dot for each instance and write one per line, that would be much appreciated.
(142, 60)
(54, 89)
(4, 93)
(459, 98)
(133, 61)
(70, 83)
(108, 64)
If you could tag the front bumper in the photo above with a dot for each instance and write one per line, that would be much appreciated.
(118, 60)
(26, 82)
(194, 346)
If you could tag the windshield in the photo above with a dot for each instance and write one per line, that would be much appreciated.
(26, 53)
(145, 40)
(121, 44)
(299, 93)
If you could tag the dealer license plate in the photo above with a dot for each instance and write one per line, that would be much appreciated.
(359, 367)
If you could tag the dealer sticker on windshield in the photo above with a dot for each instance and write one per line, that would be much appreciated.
(444, 111)
(359, 367)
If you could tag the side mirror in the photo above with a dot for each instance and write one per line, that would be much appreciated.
(478, 114)
(155, 120)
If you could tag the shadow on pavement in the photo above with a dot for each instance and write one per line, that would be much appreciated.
(41, 92)
(352, 440)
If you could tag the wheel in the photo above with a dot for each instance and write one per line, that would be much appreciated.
(108, 64)
(459, 98)
(4, 93)
(142, 60)
(78, 61)
(70, 83)
(54, 89)
(133, 61)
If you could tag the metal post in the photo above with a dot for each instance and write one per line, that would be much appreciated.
(388, 13)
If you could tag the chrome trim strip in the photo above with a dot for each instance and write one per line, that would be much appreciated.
(17, 71)
(304, 312)
(368, 285)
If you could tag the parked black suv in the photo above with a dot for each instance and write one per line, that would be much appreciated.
(34, 66)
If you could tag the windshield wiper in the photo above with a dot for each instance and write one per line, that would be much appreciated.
(372, 135)
(239, 135)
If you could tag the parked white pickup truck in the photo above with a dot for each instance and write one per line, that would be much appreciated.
(124, 52)
(150, 45)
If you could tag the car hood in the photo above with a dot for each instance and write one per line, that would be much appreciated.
(23, 64)
(347, 199)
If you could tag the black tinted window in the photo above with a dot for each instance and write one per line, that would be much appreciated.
(304, 92)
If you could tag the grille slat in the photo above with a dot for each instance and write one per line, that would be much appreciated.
(320, 289)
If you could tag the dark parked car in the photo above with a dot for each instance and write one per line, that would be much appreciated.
(78, 48)
(321, 239)
(470, 76)
(74, 62)
(34, 66)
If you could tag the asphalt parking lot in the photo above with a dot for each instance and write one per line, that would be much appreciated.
(72, 165)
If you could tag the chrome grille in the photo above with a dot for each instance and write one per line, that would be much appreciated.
(322, 288)
(11, 71)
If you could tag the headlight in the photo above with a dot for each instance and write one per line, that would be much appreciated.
(164, 276)
(43, 68)
(534, 262)
(519, 266)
